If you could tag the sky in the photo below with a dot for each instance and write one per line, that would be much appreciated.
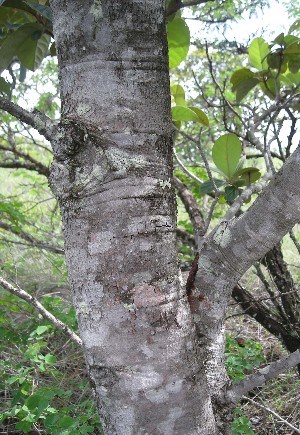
(273, 21)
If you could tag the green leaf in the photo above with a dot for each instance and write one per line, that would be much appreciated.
(290, 78)
(178, 40)
(245, 87)
(269, 87)
(258, 52)
(231, 192)
(243, 81)
(249, 175)
(226, 153)
(239, 76)
(41, 329)
(33, 50)
(50, 359)
(279, 39)
(24, 44)
(51, 419)
(181, 113)
(36, 402)
(293, 48)
(207, 186)
(45, 11)
(294, 64)
(4, 86)
(179, 95)
(295, 27)
(65, 422)
(24, 426)
(202, 118)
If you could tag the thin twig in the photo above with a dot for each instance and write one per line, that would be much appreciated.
(296, 243)
(17, 291)
(207, 167)
(265, 408)
(190, 174)
(245, 195)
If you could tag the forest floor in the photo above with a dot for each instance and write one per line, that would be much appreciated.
(282, 395)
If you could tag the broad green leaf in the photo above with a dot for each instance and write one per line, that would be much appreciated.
(181, 113)
(33, 50)
(243, 81)
(202, 118)
(248, 175)
(30, 6)
(290, 78)
(279, 39)
(245, 87)
(178, 41)
(45, 11)
(275, 60)
(207, 186)
(4, 86)
(177, 125)
(179, 95)
(226, 153)
(41, 329)
(269, 87)
(50, 359)
(231, 192)
(17, 4)
(65, 422)
(23, 425)
(26, 45)
(294, 64)
(258, 52)
(290, 39)
(293, 48)
(239, 76)
(295, 27)
(36, 402)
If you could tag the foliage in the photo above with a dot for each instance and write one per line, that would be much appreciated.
(241, 425)
(233, 97)
(242, 356)
(40, 393)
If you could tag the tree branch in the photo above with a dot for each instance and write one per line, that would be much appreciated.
(44, 125)
(17, 291)
(281, 420)
(175, 5)
(32, 240)
(34, 164)
(236, 391)
(190, 204)
(186, 238)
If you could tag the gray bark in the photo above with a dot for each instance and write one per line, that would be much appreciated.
(155, 359)
(112, 174)
(227, 254)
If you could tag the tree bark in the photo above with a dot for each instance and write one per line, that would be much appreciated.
(155, 358)
(112, 174)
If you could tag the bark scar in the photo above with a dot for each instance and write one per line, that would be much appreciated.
(190, 283)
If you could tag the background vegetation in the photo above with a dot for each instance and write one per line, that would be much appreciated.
(224, 87)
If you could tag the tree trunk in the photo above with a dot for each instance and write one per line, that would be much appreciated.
(112, 175)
